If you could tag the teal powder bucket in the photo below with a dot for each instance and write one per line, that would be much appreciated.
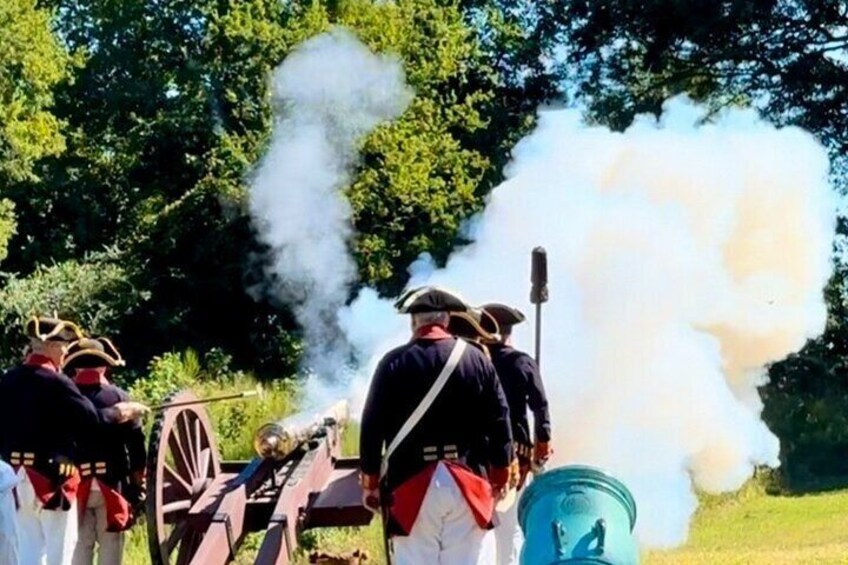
(580, 516)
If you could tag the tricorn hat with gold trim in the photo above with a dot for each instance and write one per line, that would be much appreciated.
(89, 353)
(52, 329)
(474, 324)
(430, 299)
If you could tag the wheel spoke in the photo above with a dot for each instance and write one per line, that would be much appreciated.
(175, 536)
(179, 441)
(205, 460)
(176, 506)
(188, 441)
(201, 469)
(173, 478)
(184, 427)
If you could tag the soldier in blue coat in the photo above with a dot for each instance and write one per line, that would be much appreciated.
(522, 384)
(439, 481)
(42, 413)
(111, 459)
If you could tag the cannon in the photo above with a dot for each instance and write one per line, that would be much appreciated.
(577, 515)
(199, 508)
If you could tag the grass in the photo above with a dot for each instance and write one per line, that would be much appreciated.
(746, 528)
(758, 529)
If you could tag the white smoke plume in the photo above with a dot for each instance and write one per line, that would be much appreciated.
(683, 258)
(328, 93)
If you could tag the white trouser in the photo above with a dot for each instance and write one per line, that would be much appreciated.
(445, 531)
(509, 536)
(8, 520)
(46, 536)
(93, 530)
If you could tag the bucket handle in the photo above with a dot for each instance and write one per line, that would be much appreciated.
(600, 531)
(560, 539)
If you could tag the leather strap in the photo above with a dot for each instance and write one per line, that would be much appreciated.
(424, 405)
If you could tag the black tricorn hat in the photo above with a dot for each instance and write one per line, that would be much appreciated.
(473, 324)
(504, 315)
(430, 299)
(52, 329)
(89, 353)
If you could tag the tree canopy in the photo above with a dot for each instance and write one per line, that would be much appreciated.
(166, 112)
(129, 129)
(32, 62)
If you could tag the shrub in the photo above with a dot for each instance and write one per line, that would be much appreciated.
(93, 292)
(234, 422)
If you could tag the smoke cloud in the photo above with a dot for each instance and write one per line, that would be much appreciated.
(683, 258)
(328, 93)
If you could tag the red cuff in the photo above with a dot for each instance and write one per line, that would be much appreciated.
(541, 451)
(499, 476)
(369, 482)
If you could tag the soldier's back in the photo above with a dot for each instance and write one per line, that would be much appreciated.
(105, 443)
(32, 414)
(455, 421)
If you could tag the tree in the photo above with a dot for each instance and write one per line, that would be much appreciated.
(785, 58)
(95, 293)
(168, 111)
(32, 62)
(421, 174)
(8, 226)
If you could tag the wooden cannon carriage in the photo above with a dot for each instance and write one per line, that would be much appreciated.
(199, 508)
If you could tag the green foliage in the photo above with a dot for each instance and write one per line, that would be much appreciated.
(423, 174)
(165, 114)
(419, 179)
(234, 422)
(166, 374)
(32, 61)
(95, 293)
(785, 58)
(8, 226)
(806, 400)
(164, 117)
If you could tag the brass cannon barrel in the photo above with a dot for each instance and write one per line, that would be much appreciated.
(276, 440)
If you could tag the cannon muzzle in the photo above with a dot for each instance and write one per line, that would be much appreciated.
(276, 440)
(580, 516)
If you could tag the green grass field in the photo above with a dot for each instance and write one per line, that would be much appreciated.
(759, 529)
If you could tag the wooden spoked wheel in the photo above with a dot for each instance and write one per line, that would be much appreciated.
(183, 460)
